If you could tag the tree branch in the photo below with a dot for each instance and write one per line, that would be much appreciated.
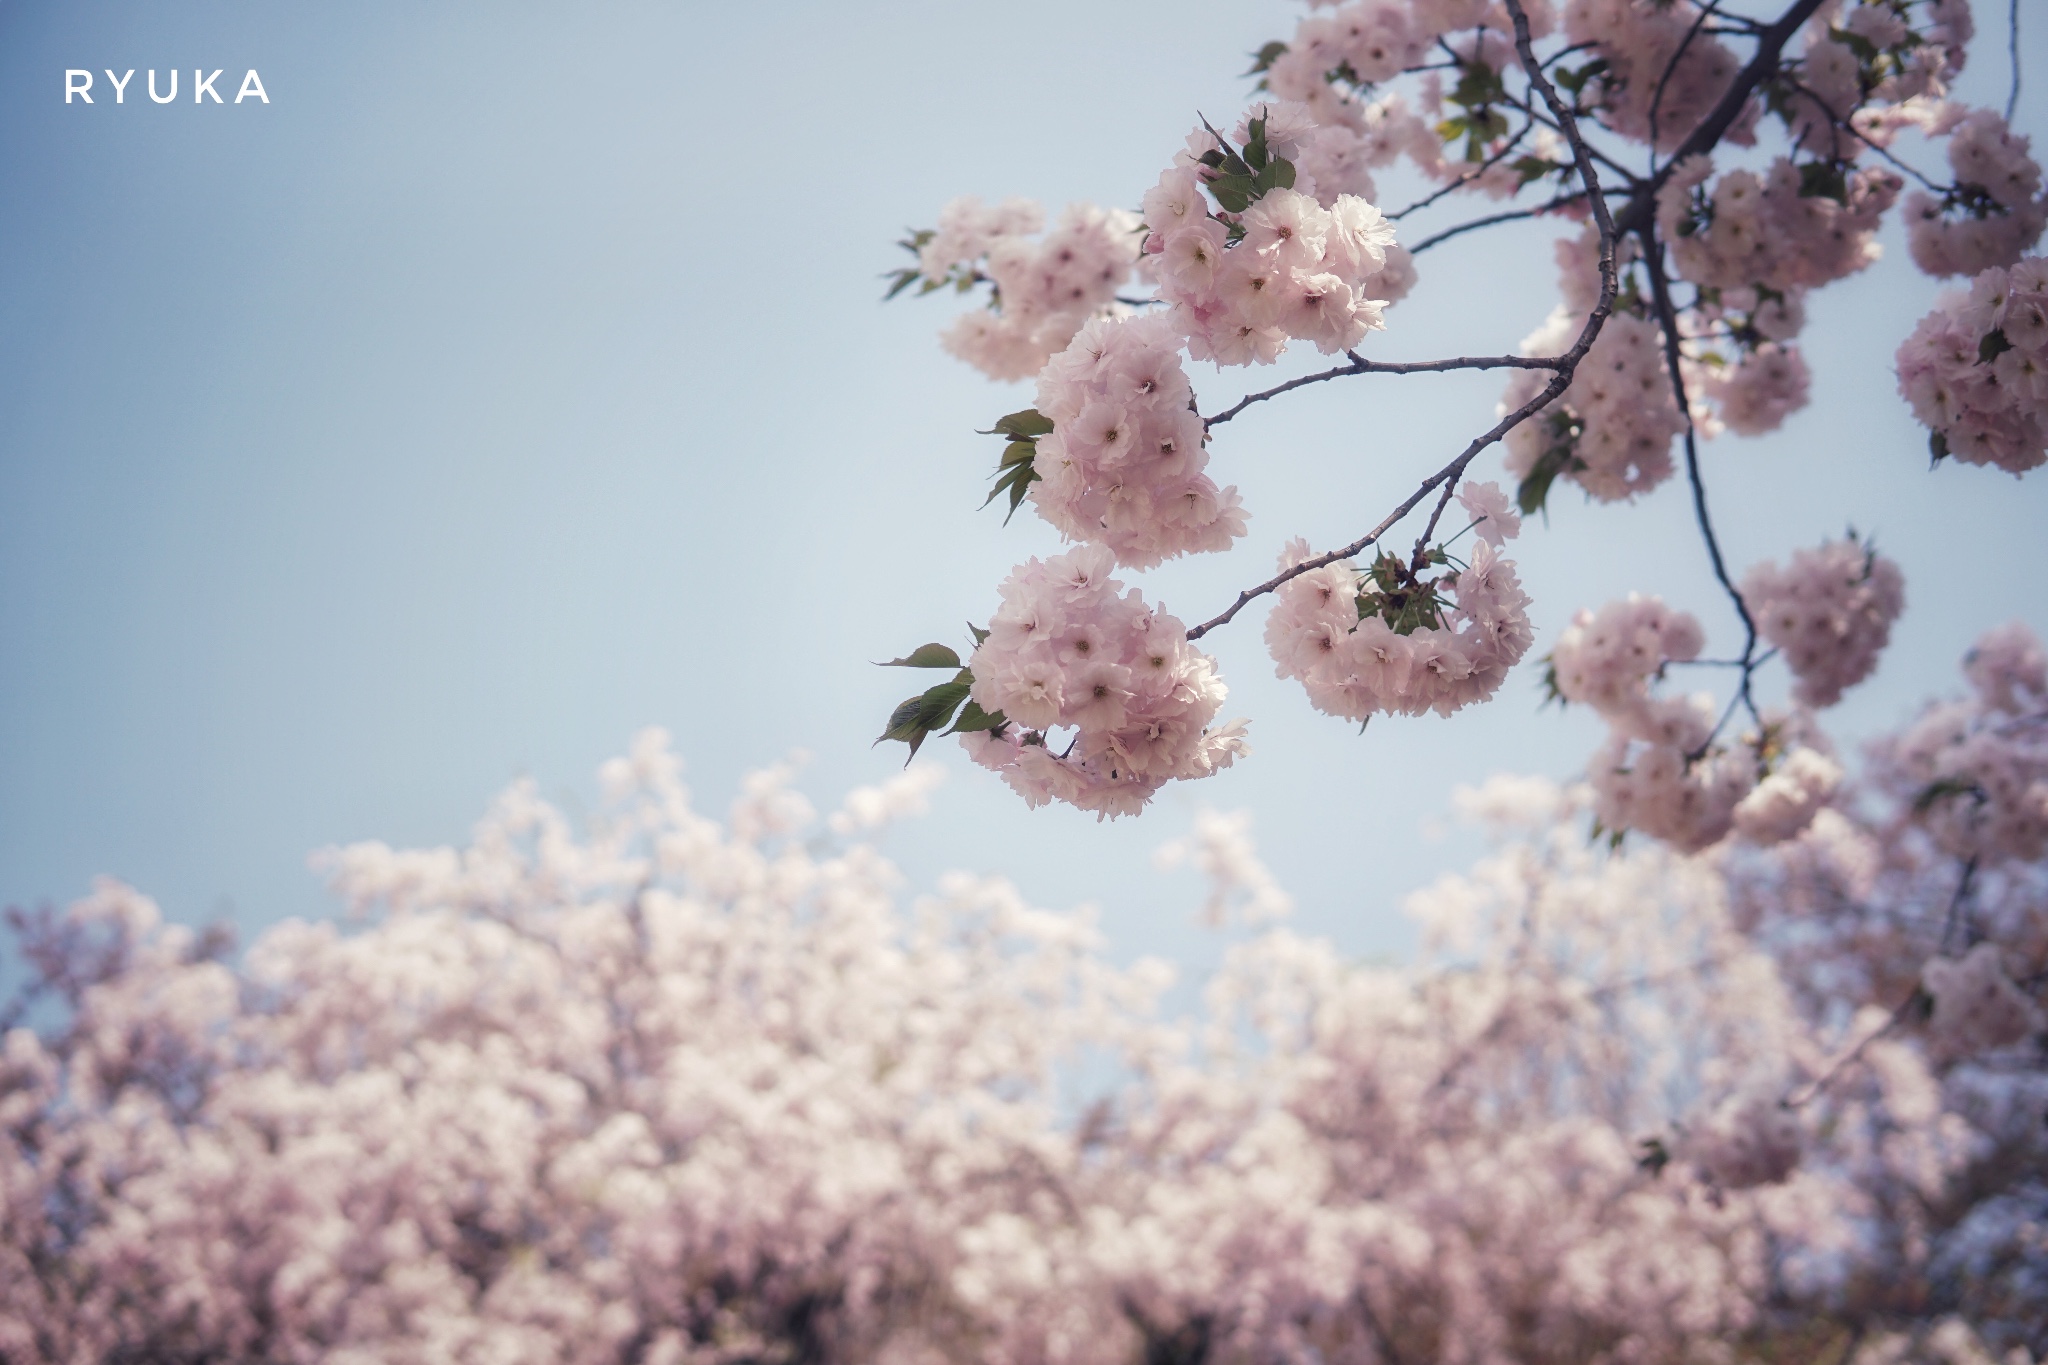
(1359, 365)
(1493, 218)
(1642, 205)
(1850, 128)
(1468, 177)
(1677, 55)
(1667, 321)
(2012, 47)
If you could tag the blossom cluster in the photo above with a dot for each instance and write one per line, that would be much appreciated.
(1388, 642)
(1283, 267)
(1996, 210)
(1975, 772)
(1829, 612)
(1045, 288)
(1656, 771)
(1756, 393)
(1611, 431)
(1123, 464)
(1976, 369)
(1784, 803)
(1977, 1007)
(1772, 231)
(1757, 244)
(1655, 58)
(1069, 650)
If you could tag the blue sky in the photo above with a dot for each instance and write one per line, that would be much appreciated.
(516, 378)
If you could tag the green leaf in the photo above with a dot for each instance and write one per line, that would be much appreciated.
(977, 632)
(973, 718)
(1233, 193)
(1535, 490)
(1559, 459)
(1028, 423)
(1478, 85)
(1018, 487)
(1575, 81)
(1937, 445)
(1824, 180)
(1865, 50)
(900, 280)
(1255, 144)
(926, 656)
(1992, 346)
(1278, 175)
(1263, 59)
(1015, 479)
(1018, 452)
(916, 717)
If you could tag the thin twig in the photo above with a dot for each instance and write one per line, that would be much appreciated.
(1667, 320)
(1359, 365)
(1842, 1063)
(2012, 47)
(1622, 173)
(1849, 127)
(1677, 55)
(1493, 218)
(1957, 904)
(1554, 58)
(1468, 177)
(1761, 660)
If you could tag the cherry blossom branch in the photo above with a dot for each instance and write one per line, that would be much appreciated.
(1582, 156)
(1850, 128)
(1621, 171)
(1554, 58)
(1707, 134)
(1359, 365)
(1562, 371)
(1667, 321)
(1677, 55)
(1469, 176)
(2012, 48)
(1512, 215)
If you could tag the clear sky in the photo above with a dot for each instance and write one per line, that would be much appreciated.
(516, 378)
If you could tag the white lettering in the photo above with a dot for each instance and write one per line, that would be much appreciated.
(163, 99)
(204, 87)
(252, 84)
(121, 86)
(72, 87)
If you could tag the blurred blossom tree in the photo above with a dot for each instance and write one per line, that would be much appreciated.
(1763, 1083)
